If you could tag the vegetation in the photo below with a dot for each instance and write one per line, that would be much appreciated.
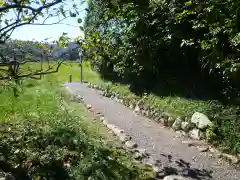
(184, 54)
(44, 136)
(15, 53)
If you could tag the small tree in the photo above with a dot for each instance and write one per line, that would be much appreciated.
(13, 53)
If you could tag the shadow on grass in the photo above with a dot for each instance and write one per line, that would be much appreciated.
(193, 85)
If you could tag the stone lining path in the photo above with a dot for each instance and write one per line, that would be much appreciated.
(161, 143)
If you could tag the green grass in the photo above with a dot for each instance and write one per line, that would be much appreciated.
(44, 136)
(225, 134)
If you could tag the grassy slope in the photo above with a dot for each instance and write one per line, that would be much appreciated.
(45, 136)
(226, 132)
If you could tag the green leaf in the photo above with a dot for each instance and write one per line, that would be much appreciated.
(81, 28)
(79, 20)
(72, 14)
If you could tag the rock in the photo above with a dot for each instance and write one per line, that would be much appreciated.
(131, 106)
(201, 120)
(177, 124)
(185, 126)
(163, 122)
(124, 137)
(117, 131)
(9, 176)
(131, 144)
(102, 118)
(66, 165)
(195, 134)
(194, 143)
(111, 126)
(142, 152)
(175, 177)
(203, 148)
(138, 156)
(149, 161)
(89, 106)
(156, 168)
(136, 109)
(181, 133)
(233, 159)
(147, 113)
(143, 113)
(171, 121)
(105, 122)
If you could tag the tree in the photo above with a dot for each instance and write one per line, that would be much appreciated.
(17, 13)
(159, 40)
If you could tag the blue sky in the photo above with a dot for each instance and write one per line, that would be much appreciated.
(41, 32)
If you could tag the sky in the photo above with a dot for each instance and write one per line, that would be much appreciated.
(53, 32)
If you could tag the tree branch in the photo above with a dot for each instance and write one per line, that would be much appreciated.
(15, 6)
(36, 73)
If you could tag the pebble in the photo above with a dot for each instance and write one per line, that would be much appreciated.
(175, 177)
(89, 106)
(124, 137)
(105, 122)
(233, 159)
(203, 148)
(131, 144)
(102, 118)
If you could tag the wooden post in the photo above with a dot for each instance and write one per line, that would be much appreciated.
(70, 78)
(81, 73)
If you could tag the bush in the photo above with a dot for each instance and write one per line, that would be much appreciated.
(41, 138)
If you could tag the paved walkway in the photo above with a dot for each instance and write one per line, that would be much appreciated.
(160, 142)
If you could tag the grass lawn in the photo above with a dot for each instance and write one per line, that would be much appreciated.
(225, 133)
(45, 136)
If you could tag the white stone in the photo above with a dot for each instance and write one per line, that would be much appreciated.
(175, 177)
(131, 106)
(195, 134)
(117, 131)
(149, 161)
(201, 120)
(156, 168)
(105, 122)
(177, 124)
(203, 148)
(138, 156)
(233, 159)
(102, 118)
(136, 109)
(89, 106)
(111, 126)
(131, 144)
(142, 152)
(124, 137)
(185, 126)
(194, 143)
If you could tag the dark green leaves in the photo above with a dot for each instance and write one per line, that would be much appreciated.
(79, 20)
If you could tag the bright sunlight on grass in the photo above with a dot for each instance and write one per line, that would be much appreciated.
(44, 136)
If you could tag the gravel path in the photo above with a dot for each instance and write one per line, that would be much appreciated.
(174, 156)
